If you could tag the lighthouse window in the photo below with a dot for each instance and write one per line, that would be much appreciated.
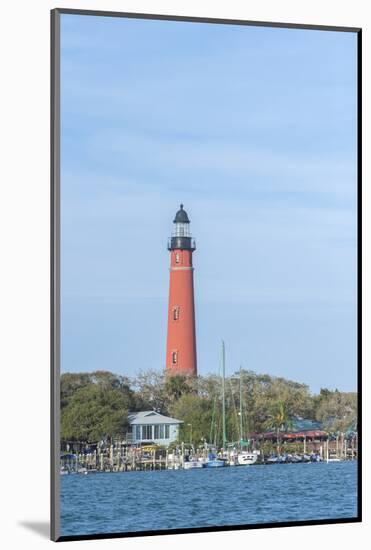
(176, 313)
(174, 357)
(181, 230)
(177, 257)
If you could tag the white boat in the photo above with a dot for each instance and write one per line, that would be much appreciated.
(247, 459)
(188, 465)
(232, 459)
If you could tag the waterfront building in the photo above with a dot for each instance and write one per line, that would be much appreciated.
(153, 427)
(181, 331)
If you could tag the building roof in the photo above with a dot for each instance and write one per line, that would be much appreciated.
(290, 435)
(181, 216)
(151, 417)
(300, 424)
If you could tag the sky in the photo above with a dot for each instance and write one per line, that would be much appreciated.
(253, 129)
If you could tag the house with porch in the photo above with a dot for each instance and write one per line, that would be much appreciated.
(153, 427)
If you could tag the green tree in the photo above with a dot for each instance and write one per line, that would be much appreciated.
(195, 411)
(175, 387)
(261, 391)
(109, 380)
(94, 413)
(94, 405)
(279, 419)
(337, 411)
(150, 391)
(70, 383)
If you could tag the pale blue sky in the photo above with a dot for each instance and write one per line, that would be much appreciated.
(254, 130)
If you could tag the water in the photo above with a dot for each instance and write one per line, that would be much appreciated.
(178, 499)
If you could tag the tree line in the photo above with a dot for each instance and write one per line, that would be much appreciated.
(95, 405)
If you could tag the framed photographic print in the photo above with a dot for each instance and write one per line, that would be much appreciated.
(205, 274)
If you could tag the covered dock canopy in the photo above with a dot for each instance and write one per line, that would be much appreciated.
(318, 435)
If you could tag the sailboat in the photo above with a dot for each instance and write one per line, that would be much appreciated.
(244, 458)
(213, 460)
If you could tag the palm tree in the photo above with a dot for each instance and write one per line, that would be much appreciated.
(279, 419)
(175, 387)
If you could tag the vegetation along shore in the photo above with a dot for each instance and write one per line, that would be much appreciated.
(278, 419)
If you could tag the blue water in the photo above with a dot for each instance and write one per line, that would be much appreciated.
(178, 499)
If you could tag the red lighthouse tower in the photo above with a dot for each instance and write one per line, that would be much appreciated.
(181, 331)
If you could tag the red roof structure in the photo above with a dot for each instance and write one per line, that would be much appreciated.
(291, 436)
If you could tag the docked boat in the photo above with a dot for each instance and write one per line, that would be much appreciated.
(295, 458)
(314, 457)
(231, 457)
(190, 464)
(214, 462)
(246, 458)
(275, 459)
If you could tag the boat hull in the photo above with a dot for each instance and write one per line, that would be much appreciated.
(192, 464)
(214, 464)
(246, 459)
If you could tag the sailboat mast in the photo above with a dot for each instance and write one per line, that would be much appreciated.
(241, 423)
(223, 395)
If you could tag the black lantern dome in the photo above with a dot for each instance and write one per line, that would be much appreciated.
(181, 216)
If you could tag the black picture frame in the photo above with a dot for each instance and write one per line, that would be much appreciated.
(55, 124)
